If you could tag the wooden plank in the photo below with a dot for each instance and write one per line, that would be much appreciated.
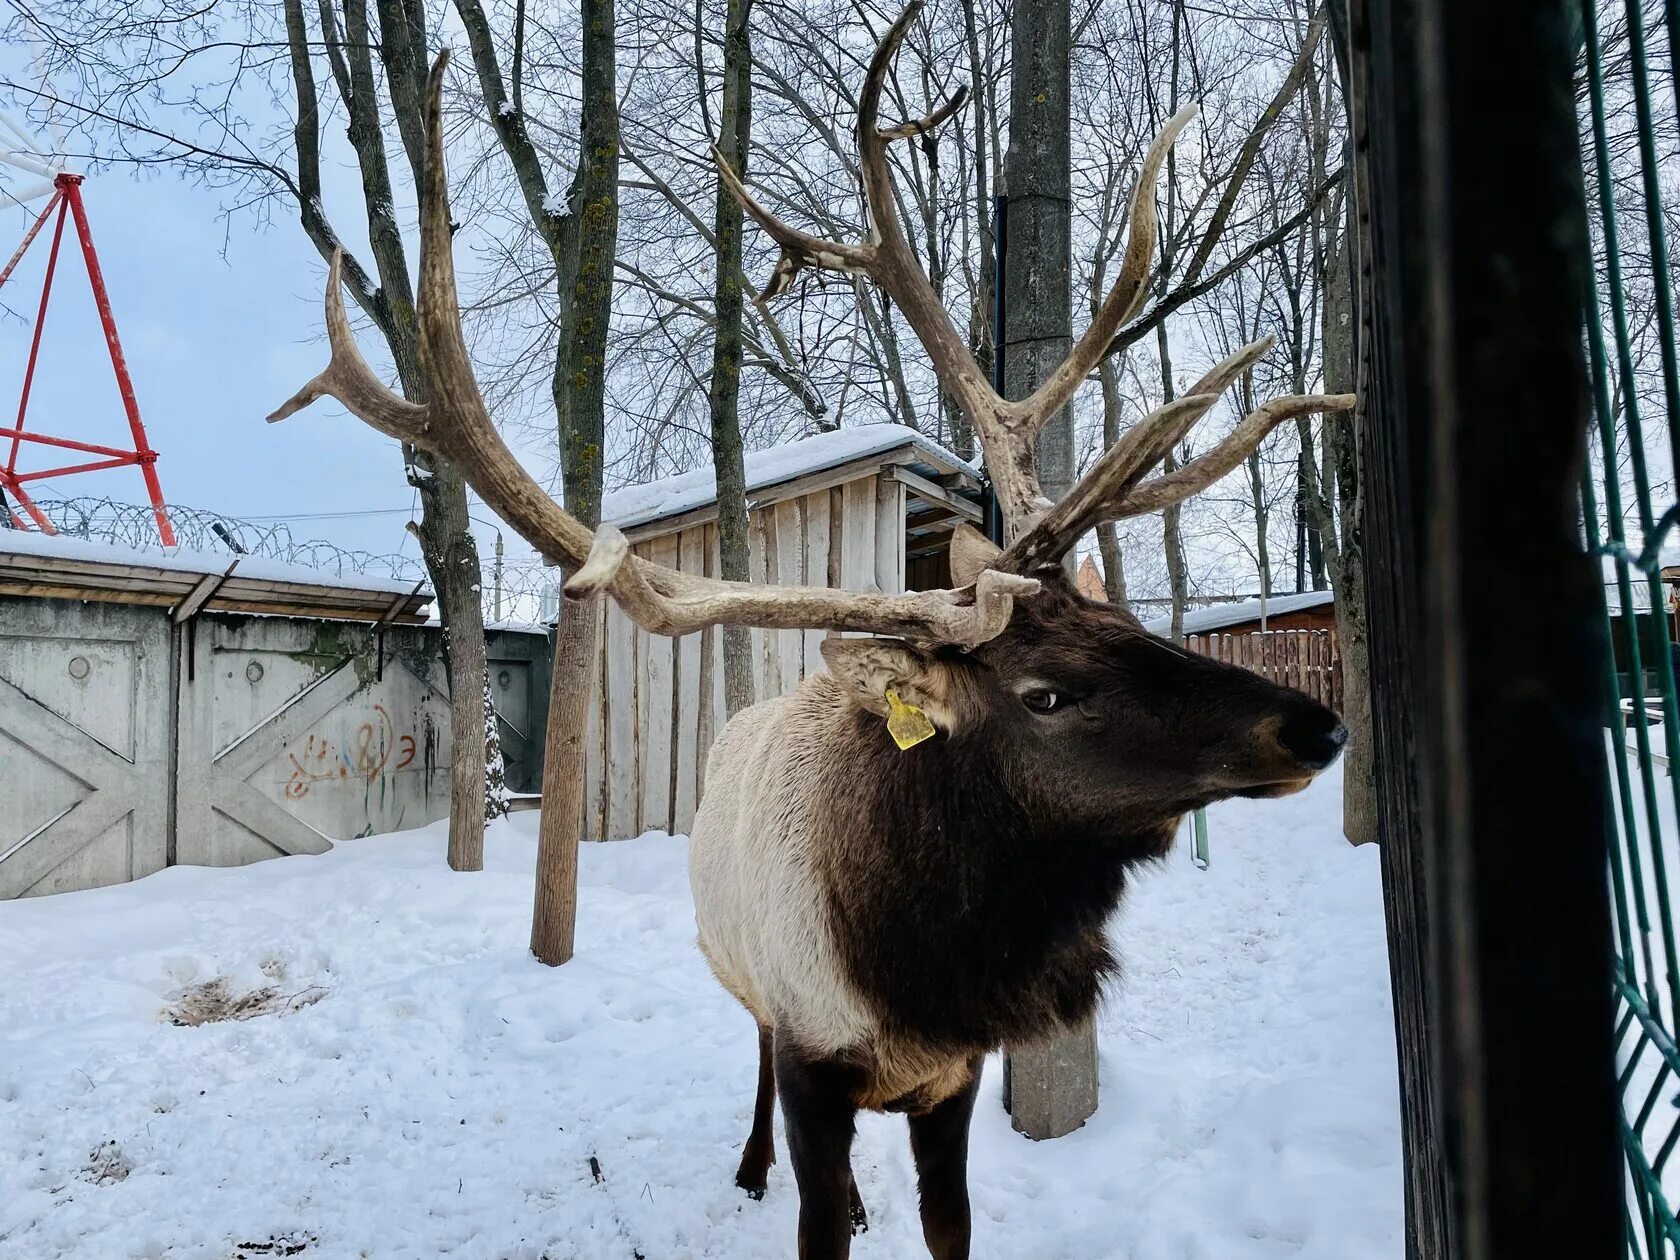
(657, 704)
(170, 595)
(758, 563)
(932, 493)
(595, 750)
(206, 587)
(711, 673)
(921, 520)
(857, 544)
(836, 536)
(67, 569)
(53, 590)
(619, 763)
(889, 534)
(816, 510)
(685, 718)
(789, 523)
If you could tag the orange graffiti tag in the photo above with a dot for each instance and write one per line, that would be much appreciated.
(367, 759)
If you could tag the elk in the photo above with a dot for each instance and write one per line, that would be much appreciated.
(888, 915)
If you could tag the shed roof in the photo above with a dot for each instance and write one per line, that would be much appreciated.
(53, 566)
(1669, 561)
(1204, 620)
(637, 506)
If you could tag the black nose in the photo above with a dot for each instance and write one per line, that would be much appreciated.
(1315, 739)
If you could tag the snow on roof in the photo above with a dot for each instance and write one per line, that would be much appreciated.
(1669, 558)
(1203, 620)
(671, 496)
(180, 560)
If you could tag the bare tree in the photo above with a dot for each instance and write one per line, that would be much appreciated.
(728, 460)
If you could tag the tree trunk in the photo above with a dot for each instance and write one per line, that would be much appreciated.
(554, 912)
(580, 404)
(1171, 537)
(981, 334)
(728, 460)
(444, 531)
(451, 556)
(1108, 533)
(1359, 801)
(1052, 1086)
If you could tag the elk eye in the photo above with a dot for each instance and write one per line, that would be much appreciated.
(1043, 701)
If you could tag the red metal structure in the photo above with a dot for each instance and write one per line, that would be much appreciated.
(66, 203)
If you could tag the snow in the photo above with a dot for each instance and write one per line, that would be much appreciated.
(669, 496)
(1204, 620)
(180, 560)
(426, 1088)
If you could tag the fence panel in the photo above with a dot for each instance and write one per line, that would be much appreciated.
(1305, 660)
(1636, 395)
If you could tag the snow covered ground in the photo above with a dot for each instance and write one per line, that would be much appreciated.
(420, 1087)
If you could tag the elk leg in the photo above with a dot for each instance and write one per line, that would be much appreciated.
(819, 1112)
(760, 1150)
(939, 1141)
(859, 1217)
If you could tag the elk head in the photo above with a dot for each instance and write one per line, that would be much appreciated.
(1094, 725)
(1010, 641)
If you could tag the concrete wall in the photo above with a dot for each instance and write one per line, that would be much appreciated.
(128, 743)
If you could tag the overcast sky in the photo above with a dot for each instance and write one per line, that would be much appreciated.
(220, 320)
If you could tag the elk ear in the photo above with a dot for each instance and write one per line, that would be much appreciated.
(971, 553)
(866, 668)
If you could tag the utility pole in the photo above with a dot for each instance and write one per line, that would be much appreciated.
(1051, 1087)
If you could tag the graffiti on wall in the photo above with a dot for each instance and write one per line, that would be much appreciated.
(363, 751)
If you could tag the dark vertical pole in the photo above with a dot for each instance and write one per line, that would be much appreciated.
(994, 513)
(1485, 651)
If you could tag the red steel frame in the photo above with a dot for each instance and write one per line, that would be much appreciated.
(67, 201)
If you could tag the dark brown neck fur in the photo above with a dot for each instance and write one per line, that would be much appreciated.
(965, 917)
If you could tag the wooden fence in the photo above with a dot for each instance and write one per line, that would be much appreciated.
(1307, 660)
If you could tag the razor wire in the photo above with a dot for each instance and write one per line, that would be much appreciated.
(521, 591)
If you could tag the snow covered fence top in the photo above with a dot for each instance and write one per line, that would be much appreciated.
(636, 506)
(55, 567)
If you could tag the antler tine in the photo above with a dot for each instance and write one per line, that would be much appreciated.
(1106, 492)
(455, 424)
(664, 601)
(884, 230)
(1238, 445)
(1104, 486)
(929, 121)
(348, 378)
(1130, 286)
(1218, 379)
(799, 249)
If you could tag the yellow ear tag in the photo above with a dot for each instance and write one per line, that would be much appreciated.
(907, 724)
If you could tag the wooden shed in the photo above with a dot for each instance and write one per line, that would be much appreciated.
(863, 508)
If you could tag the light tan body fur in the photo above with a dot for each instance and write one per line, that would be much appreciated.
(763, 841)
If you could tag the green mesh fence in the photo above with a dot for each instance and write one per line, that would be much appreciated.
(1627, 90)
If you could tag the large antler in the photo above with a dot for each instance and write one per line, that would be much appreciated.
(1039, 534)
(455, 424)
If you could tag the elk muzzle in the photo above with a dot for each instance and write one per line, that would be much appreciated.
(1294, 748)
